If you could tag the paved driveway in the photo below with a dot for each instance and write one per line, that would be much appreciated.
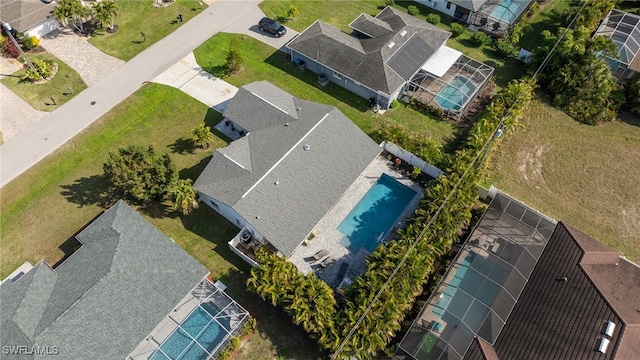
(91, 63)
(249, 25)
(15, 114)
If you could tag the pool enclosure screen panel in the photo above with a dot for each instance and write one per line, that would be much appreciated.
(480, 289)
(624, 29)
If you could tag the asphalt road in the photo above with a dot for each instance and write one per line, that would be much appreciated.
(30, 146)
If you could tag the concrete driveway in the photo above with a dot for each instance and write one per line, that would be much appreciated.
(249, 25)
(189, 77)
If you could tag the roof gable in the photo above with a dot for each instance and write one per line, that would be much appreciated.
(84, 307)
(22, 15)
(366, 60)
(298, 170)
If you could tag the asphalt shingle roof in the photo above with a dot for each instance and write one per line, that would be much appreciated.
(286, 190)
(104, 299)
(22, 15)
(365, 60)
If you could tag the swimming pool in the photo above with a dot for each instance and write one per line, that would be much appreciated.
(199, 325)
(454, 95)
(375, 214)
(508, 10)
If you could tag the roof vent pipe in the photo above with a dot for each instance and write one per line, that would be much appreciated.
(609, 329)
(602, 346)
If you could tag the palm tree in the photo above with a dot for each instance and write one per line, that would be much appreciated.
(202, 136)
(71, 11)
(183, 196)
(106, 11)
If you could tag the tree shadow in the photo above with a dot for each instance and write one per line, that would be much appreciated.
(92, 190)
(629, 118)
(158, 210)
(194, 171)
(182, 146)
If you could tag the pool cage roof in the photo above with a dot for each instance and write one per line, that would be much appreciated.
(624, 29)
(480, 289)
(446, 93)
(229, 318)
(497, 15)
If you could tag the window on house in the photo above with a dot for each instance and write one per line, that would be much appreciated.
(448, 5)
(337, 75)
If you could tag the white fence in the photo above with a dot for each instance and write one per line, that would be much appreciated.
(403, 154)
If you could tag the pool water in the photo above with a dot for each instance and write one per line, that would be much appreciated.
(456, 94)
(375, 214)
(508, 10)
(201, 326)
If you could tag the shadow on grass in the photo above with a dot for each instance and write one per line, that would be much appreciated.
(278, 60)
(194, 171)
(92, 190)
(158, 210)
(182, 146)
(71, 245)
(629, 118)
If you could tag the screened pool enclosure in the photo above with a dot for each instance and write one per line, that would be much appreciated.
(478, 292)
(450, 81)
(624, 29)
(495, 16)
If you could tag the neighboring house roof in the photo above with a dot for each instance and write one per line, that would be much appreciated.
(269, 178)
(624, 29)
(397, 46)
(106, 297)
(22, 15)
(474, 5)
(557, 319)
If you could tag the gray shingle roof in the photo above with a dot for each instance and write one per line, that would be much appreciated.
(365, 60)
(103, 300)
(309, 182)
(22, 15)
(474, 5)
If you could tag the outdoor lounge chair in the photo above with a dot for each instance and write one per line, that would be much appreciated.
(320, 254)
(326, 261)
(320, 260)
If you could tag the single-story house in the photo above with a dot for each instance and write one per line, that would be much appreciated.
(33, 17)
(108, 298)
(294, 160)
(391, 55)
(526, 287)
(491, 16)
(624, 29)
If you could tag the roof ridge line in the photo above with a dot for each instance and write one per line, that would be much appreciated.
(268, 102)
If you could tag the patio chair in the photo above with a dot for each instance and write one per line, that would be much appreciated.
(325, 262)
(320, 261)
(320, 254)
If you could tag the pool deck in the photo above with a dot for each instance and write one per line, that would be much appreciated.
(328, 237)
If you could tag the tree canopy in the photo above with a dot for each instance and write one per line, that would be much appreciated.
(140, 174)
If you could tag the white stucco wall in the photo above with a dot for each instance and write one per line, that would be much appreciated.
(44, 28)
(230, 214)
(439, 5)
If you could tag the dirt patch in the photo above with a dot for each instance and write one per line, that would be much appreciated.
(530, 164)
(630, 221)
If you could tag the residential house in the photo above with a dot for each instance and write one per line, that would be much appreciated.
(491, 16)
(294, 160)
(391, 55)
(624, 29)
(33, 17)
(524, 287)
(128, 287)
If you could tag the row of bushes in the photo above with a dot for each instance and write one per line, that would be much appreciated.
(448, 199)
(234, 343)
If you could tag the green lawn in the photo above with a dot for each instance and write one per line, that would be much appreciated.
(38, 95)
(43, 208)
(263, 62)
(584, 175)
(550, 17)
(137, 16)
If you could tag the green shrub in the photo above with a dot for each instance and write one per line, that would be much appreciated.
(456, 29)
(395, 103)
(43, 69)
(390, 2)
(504, 48)
(248, 327)
(480, 39)
(433, 18)
(413, 10)
(29, 42)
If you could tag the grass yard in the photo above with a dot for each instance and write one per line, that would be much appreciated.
(137, 16)
(38, 95)
(263, 62)
(550, 17)
(584, 175)
(43, 209)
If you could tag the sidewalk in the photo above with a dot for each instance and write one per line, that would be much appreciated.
(27, 148)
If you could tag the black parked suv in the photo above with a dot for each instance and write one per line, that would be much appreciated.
(272, 26)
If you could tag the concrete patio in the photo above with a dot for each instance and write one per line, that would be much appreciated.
(328, 237)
